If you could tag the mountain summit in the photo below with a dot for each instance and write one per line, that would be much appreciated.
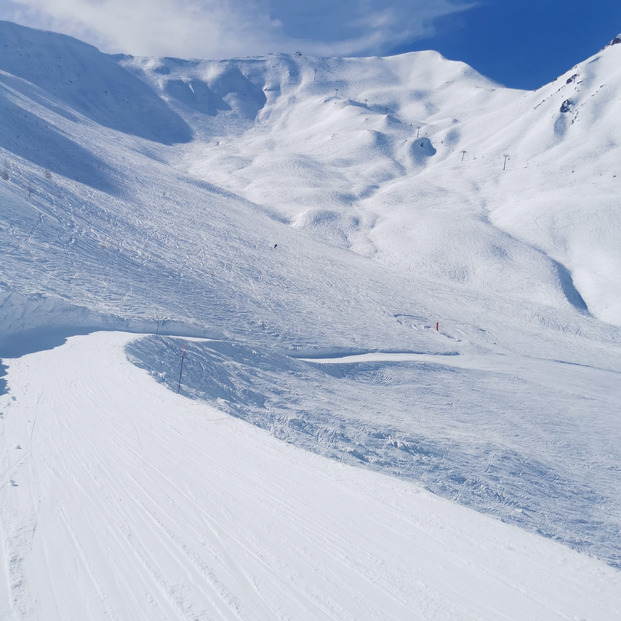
(615, 41)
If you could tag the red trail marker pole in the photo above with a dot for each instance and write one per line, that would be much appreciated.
(181, 369)
(436, 326)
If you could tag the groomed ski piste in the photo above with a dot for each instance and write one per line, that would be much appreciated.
(122, 499)
(305, 338)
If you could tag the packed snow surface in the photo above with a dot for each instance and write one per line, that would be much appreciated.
(391, 262)
(122, 499)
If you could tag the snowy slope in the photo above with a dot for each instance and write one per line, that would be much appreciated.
(300, 208)
(124, 500)
(371, 149)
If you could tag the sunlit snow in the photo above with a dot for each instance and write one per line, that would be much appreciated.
(393, 263)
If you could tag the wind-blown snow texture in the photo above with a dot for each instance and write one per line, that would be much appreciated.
(509, 439)
(295, 208)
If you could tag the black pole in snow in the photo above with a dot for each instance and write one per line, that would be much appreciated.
(181, 369)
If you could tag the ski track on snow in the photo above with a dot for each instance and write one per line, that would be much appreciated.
(151, 505)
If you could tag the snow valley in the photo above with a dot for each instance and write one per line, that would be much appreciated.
(403, 275)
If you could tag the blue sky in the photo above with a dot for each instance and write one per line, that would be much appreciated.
(522, 44)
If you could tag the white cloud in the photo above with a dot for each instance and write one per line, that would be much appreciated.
(226, 28)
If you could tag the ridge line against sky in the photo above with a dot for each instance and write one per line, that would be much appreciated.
(520, 44)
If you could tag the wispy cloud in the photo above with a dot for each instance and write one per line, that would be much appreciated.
(226, 28)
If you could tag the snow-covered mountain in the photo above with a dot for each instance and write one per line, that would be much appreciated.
(400, 265)
(399, 159)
